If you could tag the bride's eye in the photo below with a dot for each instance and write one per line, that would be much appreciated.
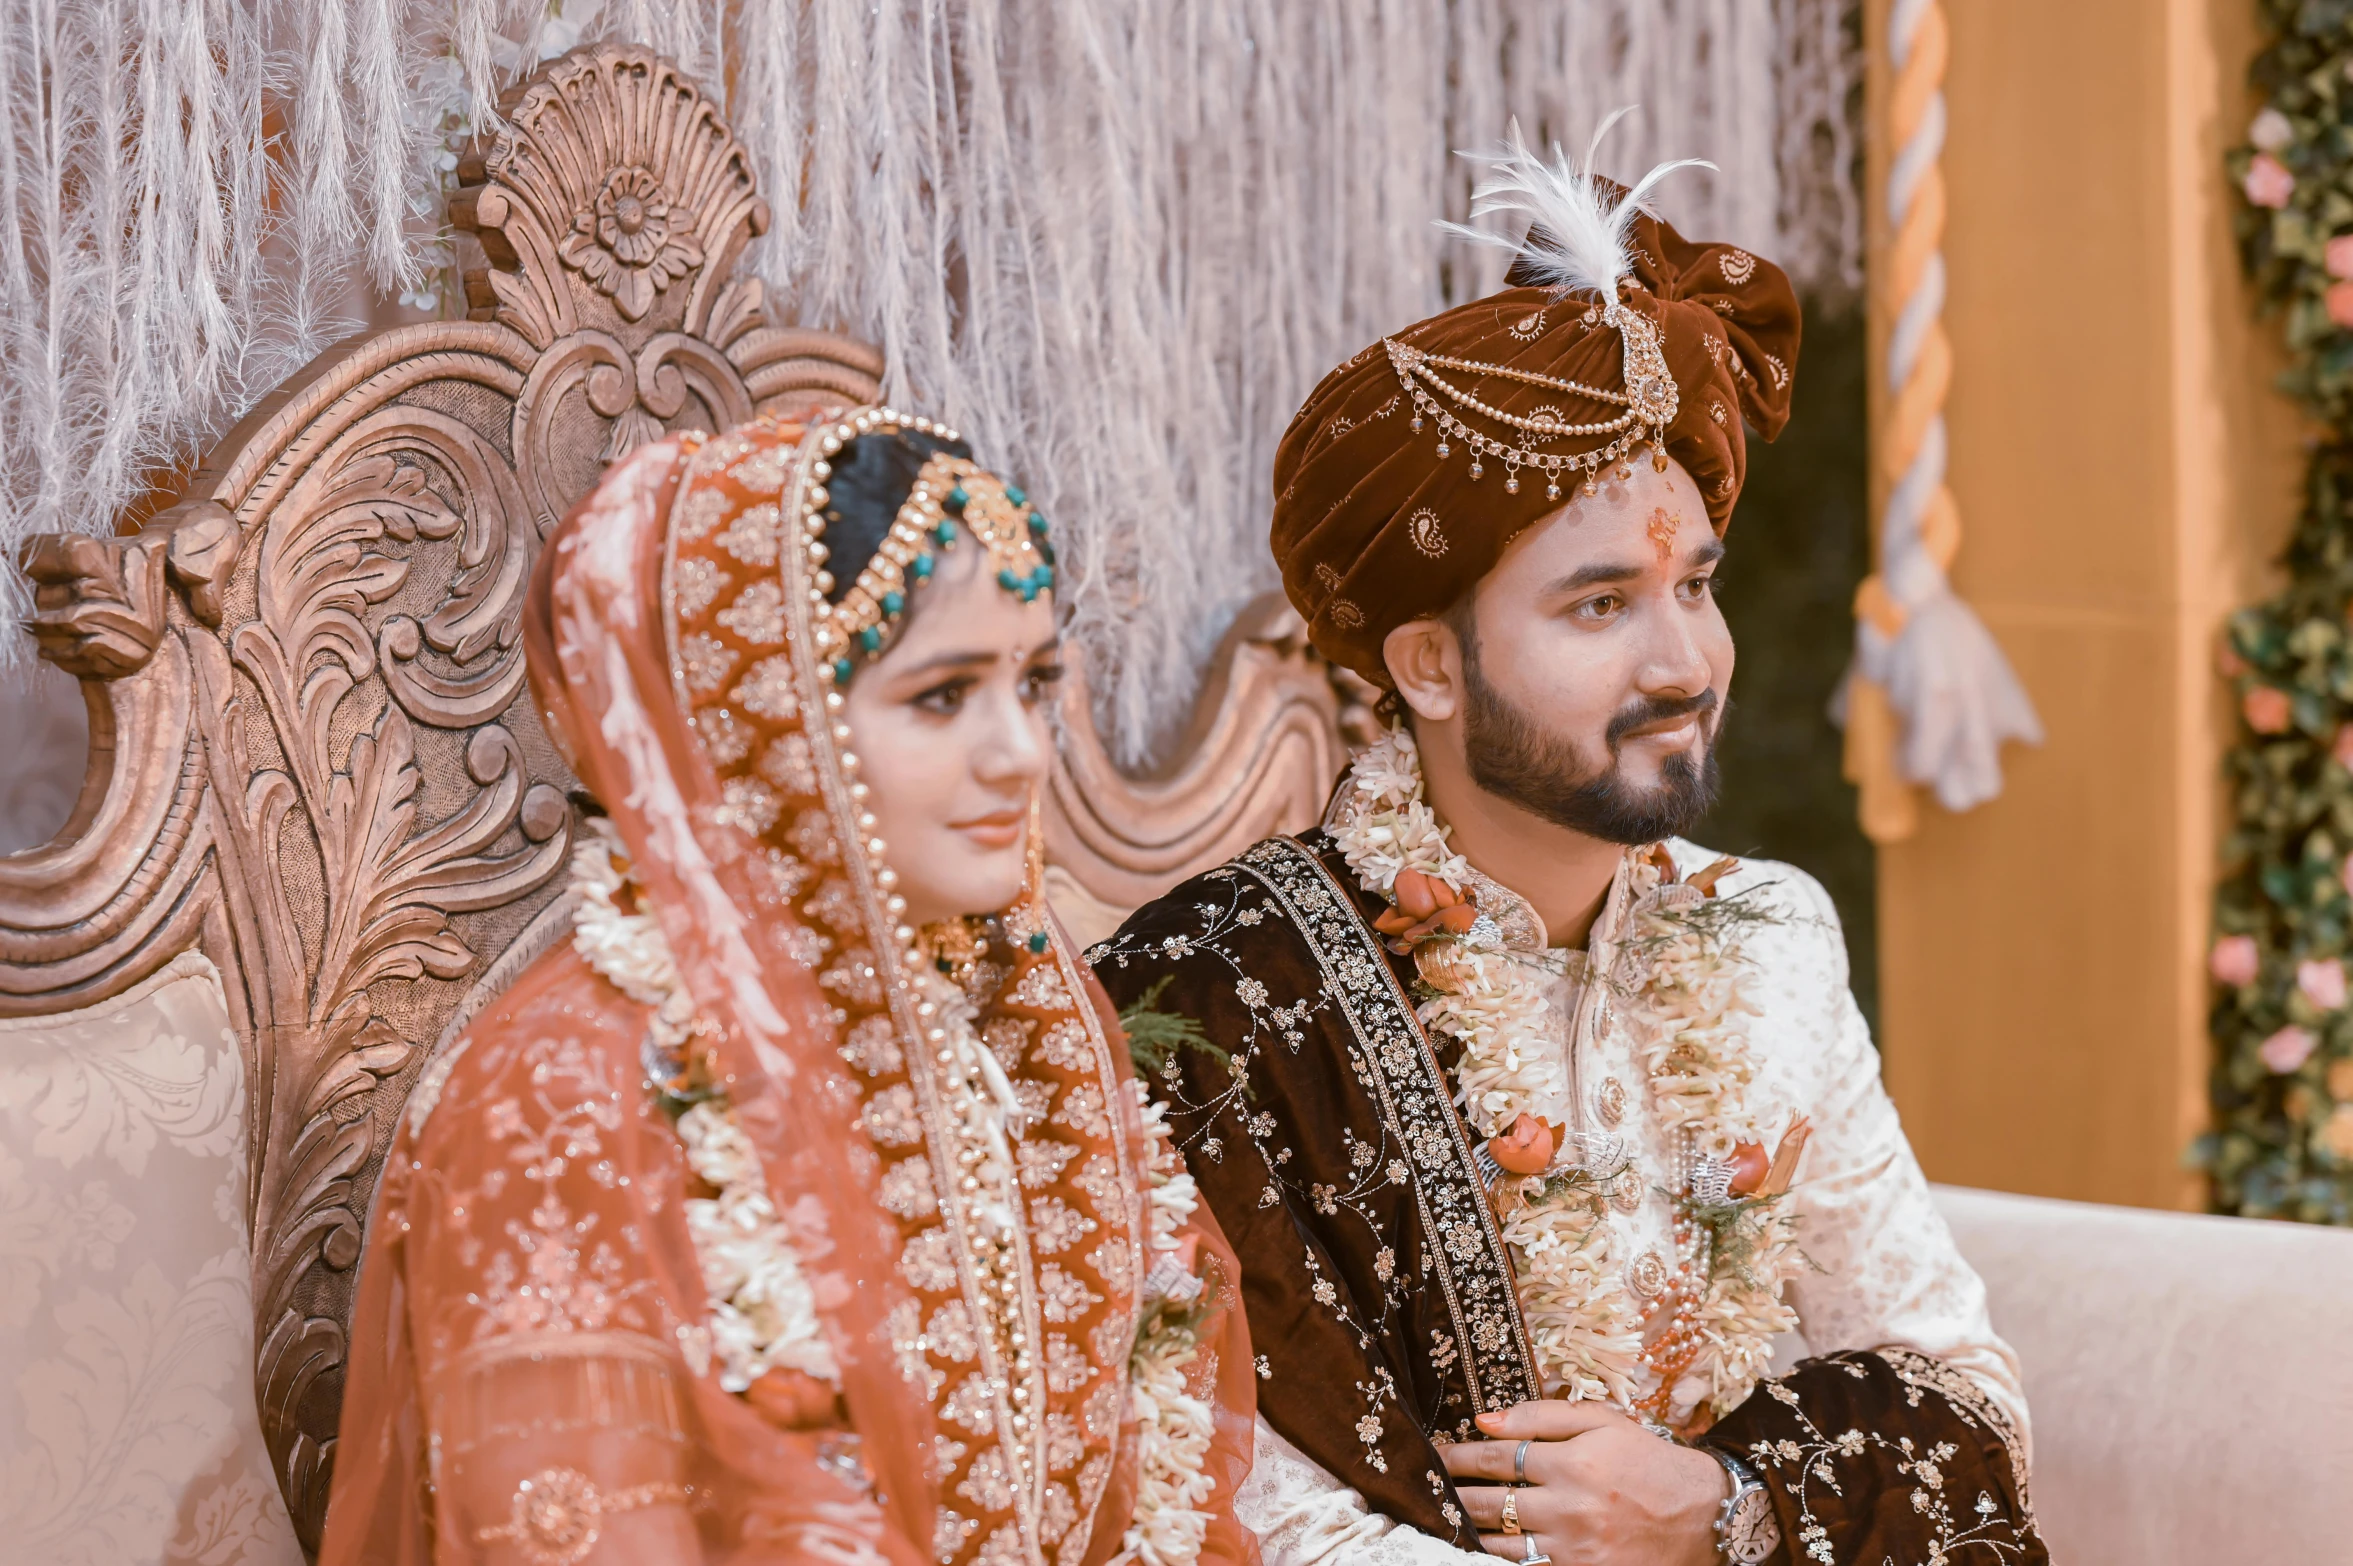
(1039, 680)
(945, 699)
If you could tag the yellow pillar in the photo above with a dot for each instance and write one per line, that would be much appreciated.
(2125, 476)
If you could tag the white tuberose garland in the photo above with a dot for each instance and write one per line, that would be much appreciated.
(762, 1312)
(1685, 1001)
(1581, 1324)
(1174, 1427)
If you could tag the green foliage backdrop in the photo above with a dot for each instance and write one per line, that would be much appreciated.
(2282, 1086)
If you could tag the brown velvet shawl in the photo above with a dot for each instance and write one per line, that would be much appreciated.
(1379, 1293)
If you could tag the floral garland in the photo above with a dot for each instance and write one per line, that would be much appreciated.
(2282, 1085)
(1680, 975)
(1173, 1426)
(762, 1311)
(763, 1314)
(1680, 957)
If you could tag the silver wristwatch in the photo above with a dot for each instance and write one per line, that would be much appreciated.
(1746, 1530)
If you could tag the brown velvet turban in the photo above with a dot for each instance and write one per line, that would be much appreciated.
(1372, 527)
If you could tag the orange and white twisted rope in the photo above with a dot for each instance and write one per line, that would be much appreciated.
(1929, 698)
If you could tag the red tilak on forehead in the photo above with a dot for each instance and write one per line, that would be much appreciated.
(1662, 529)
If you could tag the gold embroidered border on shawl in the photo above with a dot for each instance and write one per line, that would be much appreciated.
(1473, 1268)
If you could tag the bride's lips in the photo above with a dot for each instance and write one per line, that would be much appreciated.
(1000, 829)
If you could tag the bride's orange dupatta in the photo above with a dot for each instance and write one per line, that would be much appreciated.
(532, 1375)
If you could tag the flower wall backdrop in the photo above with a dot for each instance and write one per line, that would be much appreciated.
(2282, 1143)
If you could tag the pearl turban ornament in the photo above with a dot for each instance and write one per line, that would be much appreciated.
(1616, 340)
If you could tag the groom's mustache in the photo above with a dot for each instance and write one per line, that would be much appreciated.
(1644, 710)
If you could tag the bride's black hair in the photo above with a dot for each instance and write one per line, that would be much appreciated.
(871, 479)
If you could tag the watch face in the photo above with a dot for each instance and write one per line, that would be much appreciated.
(1752, 1534)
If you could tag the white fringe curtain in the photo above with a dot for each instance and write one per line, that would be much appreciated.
(1116, 240)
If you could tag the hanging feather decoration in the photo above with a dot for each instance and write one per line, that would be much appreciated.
(1116, 242)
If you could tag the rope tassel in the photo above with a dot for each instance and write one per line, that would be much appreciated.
(1929, 699)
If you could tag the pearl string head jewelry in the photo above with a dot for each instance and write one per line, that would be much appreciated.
(1650, 400)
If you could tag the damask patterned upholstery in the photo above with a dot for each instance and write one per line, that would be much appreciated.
(127, 1423)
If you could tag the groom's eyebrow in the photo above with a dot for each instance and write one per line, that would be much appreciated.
(1593, 575)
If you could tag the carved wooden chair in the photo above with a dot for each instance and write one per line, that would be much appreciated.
(312, 756)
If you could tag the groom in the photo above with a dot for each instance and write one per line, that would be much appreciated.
(1533, 1125)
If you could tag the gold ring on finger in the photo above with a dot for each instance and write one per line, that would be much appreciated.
(1511, 1511)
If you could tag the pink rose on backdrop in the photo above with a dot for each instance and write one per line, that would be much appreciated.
(2234, 960)
(2266, 709)
(2338, 302)
(2346, 875)
(2268, 182)
(2323, 982)
(2338, 256)
(2340, 749)
(2287, 1049)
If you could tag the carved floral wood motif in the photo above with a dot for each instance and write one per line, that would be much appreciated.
(312, 755)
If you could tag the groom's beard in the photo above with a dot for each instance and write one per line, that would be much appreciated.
(1514, 759)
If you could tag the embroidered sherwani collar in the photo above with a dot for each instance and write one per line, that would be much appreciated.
(1520, 929)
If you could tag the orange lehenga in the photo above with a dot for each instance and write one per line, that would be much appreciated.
(539, 1373)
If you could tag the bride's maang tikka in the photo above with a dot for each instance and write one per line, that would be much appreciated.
(951, 495)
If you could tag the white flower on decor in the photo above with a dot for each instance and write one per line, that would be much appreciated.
(2271, 130)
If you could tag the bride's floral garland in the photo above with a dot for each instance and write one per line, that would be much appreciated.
(1174, 1427)
(763, 1314)
(1681, 979)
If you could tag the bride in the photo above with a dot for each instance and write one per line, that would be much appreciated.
(805, 1205)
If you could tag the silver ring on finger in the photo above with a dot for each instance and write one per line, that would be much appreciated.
(1519, 1462)
(1529, 1554)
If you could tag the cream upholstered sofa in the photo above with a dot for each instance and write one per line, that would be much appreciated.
(2191, 1378)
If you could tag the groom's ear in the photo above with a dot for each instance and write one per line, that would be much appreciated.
(1425, 661)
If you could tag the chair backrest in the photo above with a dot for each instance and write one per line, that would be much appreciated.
(313, 757)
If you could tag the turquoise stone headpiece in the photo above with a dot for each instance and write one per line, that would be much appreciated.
(953, 499)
